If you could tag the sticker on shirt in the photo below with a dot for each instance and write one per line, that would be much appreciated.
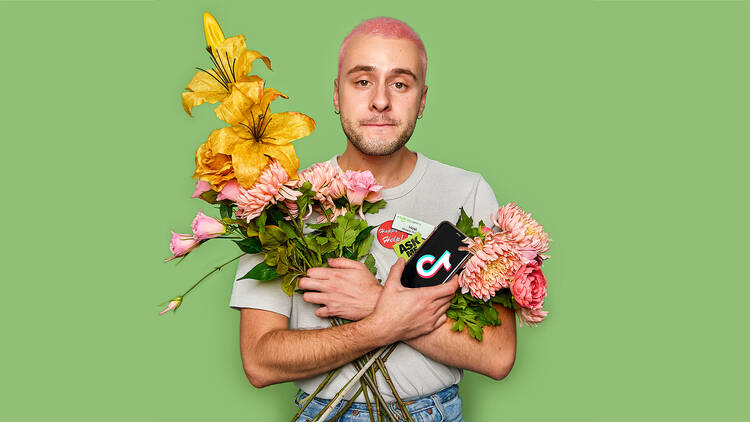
(412, 225)
(407, 247)
(388, 236)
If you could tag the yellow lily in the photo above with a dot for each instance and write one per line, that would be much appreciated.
(256, 135)
(232, 61)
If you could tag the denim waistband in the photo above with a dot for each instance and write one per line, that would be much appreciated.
(413, 405)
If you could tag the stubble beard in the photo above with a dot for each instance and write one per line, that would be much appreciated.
(376, 146)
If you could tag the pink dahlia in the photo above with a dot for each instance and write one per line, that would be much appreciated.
(523, 230)
(325, 180)
(530, 316)
(529, 286)
(494, 261)
(361, 186)
(272, 185)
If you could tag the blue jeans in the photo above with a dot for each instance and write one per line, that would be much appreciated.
(445, 406)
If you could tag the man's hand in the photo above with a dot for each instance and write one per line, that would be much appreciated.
(347, 289)
(404, 313)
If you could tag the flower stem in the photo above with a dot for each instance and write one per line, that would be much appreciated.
(309, 398)
(211, 272)
(372, 381)
(348, 386)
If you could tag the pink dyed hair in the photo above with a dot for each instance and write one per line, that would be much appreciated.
(387, 28)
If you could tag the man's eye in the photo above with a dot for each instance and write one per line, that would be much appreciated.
(400, 85)
(362, 82)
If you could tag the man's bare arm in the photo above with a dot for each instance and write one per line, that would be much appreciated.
(493, 356)
(271, 353)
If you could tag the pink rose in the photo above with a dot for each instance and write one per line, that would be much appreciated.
(230, 191)
(361, 186)
(529, 286)
(530, 316)
(201, 187)
(205, 227)
(181, 244)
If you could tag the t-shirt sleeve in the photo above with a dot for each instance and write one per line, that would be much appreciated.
(251, 293)
(485, 203)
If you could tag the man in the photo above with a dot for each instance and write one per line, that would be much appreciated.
(380, 92)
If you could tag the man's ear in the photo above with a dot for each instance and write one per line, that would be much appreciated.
(422, 101)
(336, 94)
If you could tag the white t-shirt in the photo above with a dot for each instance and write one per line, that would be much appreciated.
(433, 192)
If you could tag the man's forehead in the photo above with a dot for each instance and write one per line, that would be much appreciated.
(374, 53)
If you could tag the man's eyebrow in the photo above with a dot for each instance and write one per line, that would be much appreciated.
(360, 68)
(402, 71)
(396, 71)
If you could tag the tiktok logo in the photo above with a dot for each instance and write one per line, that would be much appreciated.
(444, 261)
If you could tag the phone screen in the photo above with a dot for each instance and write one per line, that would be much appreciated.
(437, 259)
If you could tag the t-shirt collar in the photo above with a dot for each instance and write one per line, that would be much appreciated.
(410, 183)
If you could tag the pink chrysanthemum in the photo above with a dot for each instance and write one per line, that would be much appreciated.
(272, 185)
(523, 230)
(325, 180)
(495, 260)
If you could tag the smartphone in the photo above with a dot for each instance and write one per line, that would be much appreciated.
(437, 259)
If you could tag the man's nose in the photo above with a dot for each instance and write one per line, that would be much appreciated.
(380, 101)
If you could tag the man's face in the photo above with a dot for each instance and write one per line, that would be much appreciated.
(379, 93)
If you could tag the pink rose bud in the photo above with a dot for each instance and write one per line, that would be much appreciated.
(172, 304)
(230, 191)
(201, 187)
(205, 227)
(486, 230)
(181, 244)
(360, 185)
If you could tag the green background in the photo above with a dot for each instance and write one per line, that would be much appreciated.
(623, 126)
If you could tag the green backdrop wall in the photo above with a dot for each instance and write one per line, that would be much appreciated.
(623, 126)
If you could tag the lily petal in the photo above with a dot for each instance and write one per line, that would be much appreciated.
(214, 34)
(286, 127)
(285, 155)
(252, 87)
(248, 160)
(224, 140)
(253, 55)
(235, 107)
(269, 94)
(203, 88)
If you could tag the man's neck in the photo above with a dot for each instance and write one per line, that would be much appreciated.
(389, 170)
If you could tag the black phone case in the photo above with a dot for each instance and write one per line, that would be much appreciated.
(429, 266)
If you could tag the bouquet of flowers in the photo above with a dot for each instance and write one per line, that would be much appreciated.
(297, 220)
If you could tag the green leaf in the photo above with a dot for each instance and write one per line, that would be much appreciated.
(262, 221)
(373, 207)
(210, 196)
(276, 215)
(288, 229)
(262, 272)
(249, 245)
(225, 210)
(364, 247)
(289, 283)
(306, 188)
(465, 222)
(347, 229)
(348, 253)
(370, 264)
(319, 226)
(272, 237)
